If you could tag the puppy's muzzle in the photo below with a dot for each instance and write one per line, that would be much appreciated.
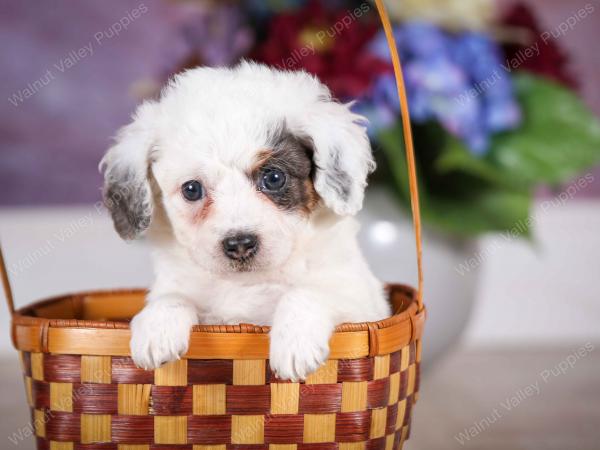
(241, 246)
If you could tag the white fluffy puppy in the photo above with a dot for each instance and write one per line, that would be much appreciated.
(245, 181)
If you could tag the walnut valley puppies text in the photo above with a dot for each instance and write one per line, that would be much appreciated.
(534, 50)
(74, 56)
(557, 32)
(322, 37)
(524, 393)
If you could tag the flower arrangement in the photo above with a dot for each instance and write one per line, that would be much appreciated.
(495, 112)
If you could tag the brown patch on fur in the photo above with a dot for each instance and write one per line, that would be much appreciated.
(313, 198)
(294, 158)
(261, 159)
(205, 211)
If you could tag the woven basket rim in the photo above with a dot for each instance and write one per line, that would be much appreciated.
(24, 315)
(31, 331)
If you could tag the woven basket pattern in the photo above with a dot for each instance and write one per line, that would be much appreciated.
(105, 402)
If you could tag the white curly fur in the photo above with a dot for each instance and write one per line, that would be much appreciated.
(309, 275)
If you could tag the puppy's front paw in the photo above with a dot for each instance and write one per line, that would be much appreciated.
(295, 355)
(160, 334)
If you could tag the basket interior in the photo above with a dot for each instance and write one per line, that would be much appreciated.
(122, 305)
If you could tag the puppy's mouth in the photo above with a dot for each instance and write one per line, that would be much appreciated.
(247, 263)
(243, 265)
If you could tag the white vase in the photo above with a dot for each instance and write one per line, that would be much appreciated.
(388, 242)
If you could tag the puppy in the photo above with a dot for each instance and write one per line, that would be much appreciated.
(245, 180)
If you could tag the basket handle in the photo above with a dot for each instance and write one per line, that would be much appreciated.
(410, 158)
(408, 143)
(6, 284)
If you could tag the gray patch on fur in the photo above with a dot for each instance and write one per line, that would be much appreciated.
(129, 201)
(277, 134)
(337, 179)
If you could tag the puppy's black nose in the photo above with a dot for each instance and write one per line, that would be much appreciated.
(240, 246)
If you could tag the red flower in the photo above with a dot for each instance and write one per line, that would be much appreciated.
(329, 44)
(551, 61)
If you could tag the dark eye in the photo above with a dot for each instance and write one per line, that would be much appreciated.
(192, 190)
(272, 180)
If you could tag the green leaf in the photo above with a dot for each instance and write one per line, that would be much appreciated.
(465, 205)
(392, 144)
(457, 158)
(559, 137)
(488, 210)
(467, 195)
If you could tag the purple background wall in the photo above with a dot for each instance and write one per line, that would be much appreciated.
(52, 141)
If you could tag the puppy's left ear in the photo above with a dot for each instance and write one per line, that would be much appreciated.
(342, 154)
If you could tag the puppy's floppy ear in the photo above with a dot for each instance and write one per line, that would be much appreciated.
(127, 193)
(342, 154)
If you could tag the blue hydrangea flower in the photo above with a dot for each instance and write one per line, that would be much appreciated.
(482, 57)
(456, 80)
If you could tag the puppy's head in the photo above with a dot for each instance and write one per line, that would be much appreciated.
(236, 162)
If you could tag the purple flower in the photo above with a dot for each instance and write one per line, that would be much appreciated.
(456, 80)
(423, 40)
(482, 60)
(209, 35)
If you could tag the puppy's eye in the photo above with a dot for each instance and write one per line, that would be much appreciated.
(192, 190)
(272, 180)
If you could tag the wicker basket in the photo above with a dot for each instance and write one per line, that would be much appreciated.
(85, 392)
